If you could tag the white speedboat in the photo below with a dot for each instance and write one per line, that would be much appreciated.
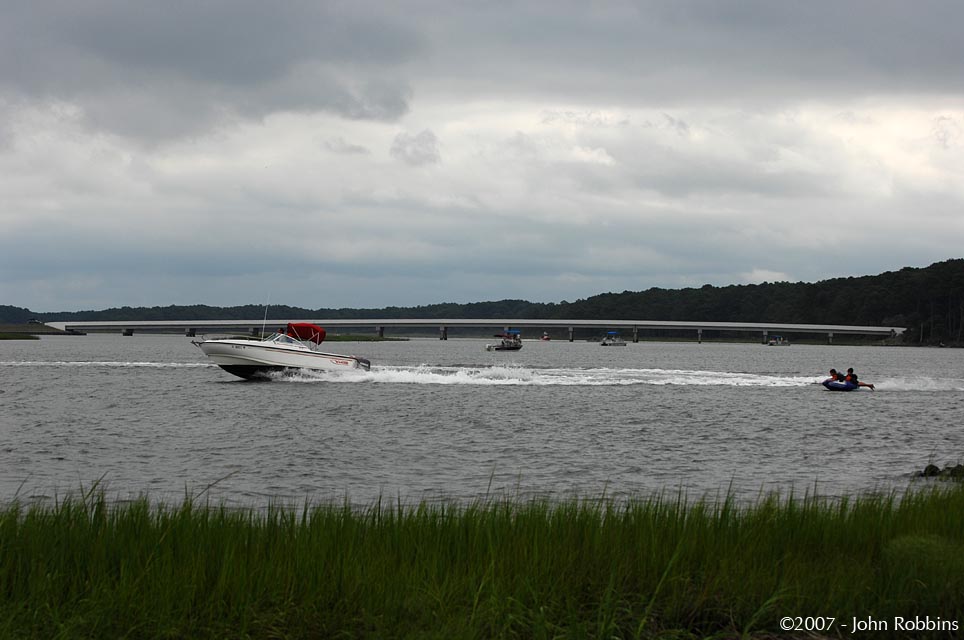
(612, 339)
(294, 348)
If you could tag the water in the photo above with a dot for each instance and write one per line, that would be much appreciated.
(447, 420)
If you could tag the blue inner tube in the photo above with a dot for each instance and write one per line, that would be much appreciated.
(837, 385)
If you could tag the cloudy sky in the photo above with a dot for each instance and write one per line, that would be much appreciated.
(366, 154)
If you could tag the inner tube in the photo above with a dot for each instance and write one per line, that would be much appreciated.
(837, 385)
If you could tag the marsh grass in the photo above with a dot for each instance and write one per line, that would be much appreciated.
(665, 566)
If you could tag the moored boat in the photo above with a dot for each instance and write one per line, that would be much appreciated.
(295, 347)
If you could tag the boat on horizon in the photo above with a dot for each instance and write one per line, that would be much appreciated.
(612, 339)
(294, 347)
(511, 341)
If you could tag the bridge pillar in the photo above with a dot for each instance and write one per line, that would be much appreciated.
(635, 334)
(443, 333)
(570, 334)
(830, 337)
(699, 336)
(764, 336)
(380, 331)
(128, 332)
(190, 333)
(255, 331)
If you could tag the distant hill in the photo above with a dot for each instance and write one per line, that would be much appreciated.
(928, 301)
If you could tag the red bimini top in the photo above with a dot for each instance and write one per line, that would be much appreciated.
(306, 331)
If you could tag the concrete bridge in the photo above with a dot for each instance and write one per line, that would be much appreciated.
(255, 327)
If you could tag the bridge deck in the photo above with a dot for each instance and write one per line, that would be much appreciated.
(442, 323)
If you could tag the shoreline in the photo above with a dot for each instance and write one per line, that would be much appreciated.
(29, 331)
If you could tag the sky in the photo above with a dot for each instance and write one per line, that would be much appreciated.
(372, 154)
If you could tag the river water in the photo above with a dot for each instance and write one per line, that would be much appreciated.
(446, 420)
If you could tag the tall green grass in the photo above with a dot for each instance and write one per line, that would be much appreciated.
(89, 568)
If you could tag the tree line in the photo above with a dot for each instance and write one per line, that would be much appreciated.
(928, 302)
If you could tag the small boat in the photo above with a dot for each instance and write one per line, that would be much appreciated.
(295, 347)
(511, 341)
(612, 339)
(839, 385)
(778, 341)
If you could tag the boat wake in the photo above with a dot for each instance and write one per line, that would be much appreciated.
(523, 376)
(517, 375)
(920, 384)
(526, 376)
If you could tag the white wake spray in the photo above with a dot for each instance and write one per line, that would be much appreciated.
(517, 375)
(524, 376)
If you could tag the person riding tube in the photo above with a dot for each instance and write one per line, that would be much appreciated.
(852, 378)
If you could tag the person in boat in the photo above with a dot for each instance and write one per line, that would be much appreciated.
(851, 377)
(835, 377)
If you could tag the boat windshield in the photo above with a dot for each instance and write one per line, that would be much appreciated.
(281, 338)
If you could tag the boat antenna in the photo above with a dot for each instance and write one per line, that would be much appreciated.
(265, 321)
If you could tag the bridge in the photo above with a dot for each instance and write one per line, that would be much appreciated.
(255, 327)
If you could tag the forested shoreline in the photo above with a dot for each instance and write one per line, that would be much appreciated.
(928, 302)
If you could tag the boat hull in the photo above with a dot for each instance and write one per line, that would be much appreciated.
(251, 359)
(251, 372)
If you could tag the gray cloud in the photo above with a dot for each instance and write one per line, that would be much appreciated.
(159, 70)
(416, 150)
(684, 52)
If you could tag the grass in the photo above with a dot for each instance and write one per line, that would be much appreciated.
(660, 567)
